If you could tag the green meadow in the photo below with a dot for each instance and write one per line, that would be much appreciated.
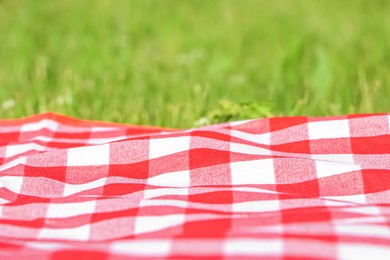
(171, 62)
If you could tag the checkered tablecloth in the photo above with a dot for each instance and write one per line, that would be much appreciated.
(277, 188)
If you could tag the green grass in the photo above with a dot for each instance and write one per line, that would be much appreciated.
(169, 62)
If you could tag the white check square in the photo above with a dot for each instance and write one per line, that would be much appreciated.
(166, 146)
(328, 129)
(78, 234)
(89, 155)
(171, 179)
(253, 172)
(144, 224)
(17, 149)
(328, 168)
(65, 210)
(43, 124)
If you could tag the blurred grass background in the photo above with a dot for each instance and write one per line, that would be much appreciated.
(169, 62)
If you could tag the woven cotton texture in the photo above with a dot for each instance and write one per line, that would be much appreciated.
(278, 188)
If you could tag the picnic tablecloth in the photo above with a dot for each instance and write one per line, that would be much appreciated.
(271, 188)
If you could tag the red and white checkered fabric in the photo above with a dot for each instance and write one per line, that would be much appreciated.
(290, 188)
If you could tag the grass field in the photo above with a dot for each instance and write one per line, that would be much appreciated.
(169, 62)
